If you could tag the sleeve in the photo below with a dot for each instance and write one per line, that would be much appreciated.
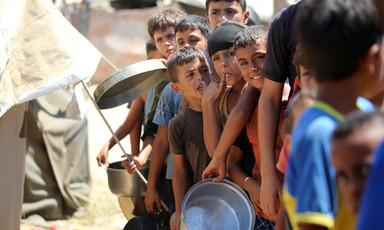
(176, 143)
(277, 60)
(316, 185)
(164, 108)
(370, 216)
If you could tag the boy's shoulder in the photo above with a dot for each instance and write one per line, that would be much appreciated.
(314, 129)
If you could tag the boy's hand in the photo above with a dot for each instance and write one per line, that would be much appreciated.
(216, 170)
(102, 157)
(131, 167)
(214, 91)
(269, 192)
(152, 201)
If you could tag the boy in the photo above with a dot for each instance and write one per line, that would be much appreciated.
(190, 75)
(217, 103)
(223, 10)
(192, 30)
(161, 29)
(337, 62)
(189, 27)
(353, 144)
(250, 47)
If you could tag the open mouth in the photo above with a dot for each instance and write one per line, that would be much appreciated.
(257, 77)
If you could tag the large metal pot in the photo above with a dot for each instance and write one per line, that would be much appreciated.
(212, 205)
(123, 184)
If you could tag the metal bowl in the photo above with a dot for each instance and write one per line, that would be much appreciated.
(212, 205)
(129, 83)
(123, 184)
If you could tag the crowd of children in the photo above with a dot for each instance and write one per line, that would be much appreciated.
(286, 112)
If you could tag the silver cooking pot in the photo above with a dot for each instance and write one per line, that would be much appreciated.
(217, 205)
(123, 184)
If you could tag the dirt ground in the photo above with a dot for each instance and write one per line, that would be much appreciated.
(103, 211)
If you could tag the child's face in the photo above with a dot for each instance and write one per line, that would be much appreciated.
(191, 37)
(352, 157)
(193, 78)
(251, 61)
(227, 66)
(223, 11)
(306, 79)
(165, 41)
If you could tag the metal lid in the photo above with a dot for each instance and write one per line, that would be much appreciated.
(129, 83)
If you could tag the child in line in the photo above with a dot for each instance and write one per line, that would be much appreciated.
(170, 105)
(190, 75)
(353, 144)
(223, 10)
(337, 62)
(299, 103)
(220, 99)
(244, 162)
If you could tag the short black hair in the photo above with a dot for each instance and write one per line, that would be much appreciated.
(181, 57)
(357, 121)
(250, 36)
(243, 3)
(163, 19)
(335, 34)
(150, 46)
(196, 22)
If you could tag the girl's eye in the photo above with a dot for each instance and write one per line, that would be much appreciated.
(243, 63)
(215, 58)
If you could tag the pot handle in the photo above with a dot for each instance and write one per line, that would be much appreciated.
(103, 166)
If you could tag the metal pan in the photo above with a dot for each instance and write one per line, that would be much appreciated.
(217, 205)
(129, 83)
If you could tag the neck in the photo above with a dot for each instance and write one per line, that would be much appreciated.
(341, 95)
(238, 87)
(195, 105)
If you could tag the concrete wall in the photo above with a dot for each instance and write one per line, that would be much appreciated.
(120, 36)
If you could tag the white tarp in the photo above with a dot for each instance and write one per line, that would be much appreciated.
(40, 51)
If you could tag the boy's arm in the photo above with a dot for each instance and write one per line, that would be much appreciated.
(159, 152)
(211, 115)
(268, 120)
(139, 161)
(179, 183)
(232, 129)
(123, 130)
(238, 175)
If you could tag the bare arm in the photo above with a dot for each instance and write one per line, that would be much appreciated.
(211, 115)
(268, 120)
(141, 159)
(238, 175)
(179, 183)
(159, 152)
(135, 113)
(232, 129)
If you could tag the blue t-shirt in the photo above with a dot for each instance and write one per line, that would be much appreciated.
(372, 202)
(169, 106)
(310, 191)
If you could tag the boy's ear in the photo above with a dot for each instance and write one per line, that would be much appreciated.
(373, 58)
(175, 87)
(246, 17)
